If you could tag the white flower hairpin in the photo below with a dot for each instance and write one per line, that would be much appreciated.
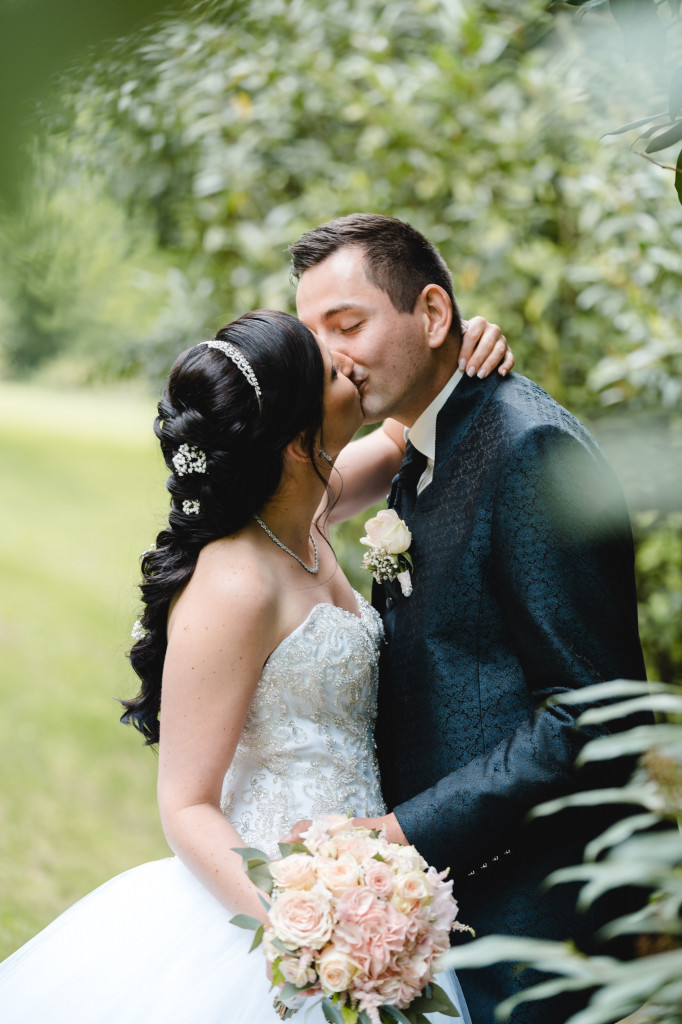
(189, 459)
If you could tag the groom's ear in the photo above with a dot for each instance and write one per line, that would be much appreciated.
(436, 309)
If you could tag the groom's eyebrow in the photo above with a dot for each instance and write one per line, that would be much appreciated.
(341, 308)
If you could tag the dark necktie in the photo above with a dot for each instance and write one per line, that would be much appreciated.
(411, 469)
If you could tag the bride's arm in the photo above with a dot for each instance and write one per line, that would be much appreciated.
(220, 634)
(365, 470)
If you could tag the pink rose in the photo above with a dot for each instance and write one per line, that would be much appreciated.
(379, 877)
(302, 918)
(294, 872)
(338, 875)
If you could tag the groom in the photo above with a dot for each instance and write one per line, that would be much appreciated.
(523, 588)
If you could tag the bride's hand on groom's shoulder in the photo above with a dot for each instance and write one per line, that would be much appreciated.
(484, 346)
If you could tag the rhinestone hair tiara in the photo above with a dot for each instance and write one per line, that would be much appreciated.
(240, 361)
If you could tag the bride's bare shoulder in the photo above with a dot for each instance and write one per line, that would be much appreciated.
(231, 578)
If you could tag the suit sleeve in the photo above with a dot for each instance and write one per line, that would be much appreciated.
(561, 571)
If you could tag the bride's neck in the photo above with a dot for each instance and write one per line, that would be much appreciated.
(290, 511)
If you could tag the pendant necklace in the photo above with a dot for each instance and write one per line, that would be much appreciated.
(288, 550)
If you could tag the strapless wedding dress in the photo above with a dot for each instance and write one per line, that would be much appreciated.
(152, 945)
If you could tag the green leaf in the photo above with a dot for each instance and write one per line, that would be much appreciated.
(297, 847)
(246, 921)
(632, 741)
(634, 124)
(331, 1013)
(668, 138)
(278, 978)
(249, 853)
(259, 874)
(667, 703)
(257, 939)
(278, 944)
(289, 990)
(268, 906)
(445, 1005)
(607, 691)
(618, 833)
(393, 1013)
(349, 1014)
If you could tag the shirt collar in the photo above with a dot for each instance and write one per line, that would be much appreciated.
(422, 433)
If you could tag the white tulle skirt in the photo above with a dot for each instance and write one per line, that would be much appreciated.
(151, 946)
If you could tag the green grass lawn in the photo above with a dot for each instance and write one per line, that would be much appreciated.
(82, 494)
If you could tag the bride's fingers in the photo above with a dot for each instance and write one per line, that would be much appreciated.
(483, 347)
(501, 357)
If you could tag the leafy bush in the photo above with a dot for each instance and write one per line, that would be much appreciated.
(643, 850)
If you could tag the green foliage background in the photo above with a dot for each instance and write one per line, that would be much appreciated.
(172, 170)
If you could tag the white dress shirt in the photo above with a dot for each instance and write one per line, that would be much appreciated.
(422, 433)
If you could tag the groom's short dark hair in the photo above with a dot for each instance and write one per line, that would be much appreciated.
(398, 258)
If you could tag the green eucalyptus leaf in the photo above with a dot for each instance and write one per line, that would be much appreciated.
(250, 853)
(349, 1014)
(259, 873)
(393, 1013)
(258, 938)
(246, 921)
(289, 990)
(331, 1013)
(297, 847)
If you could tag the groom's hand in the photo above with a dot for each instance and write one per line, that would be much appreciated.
(388, 823)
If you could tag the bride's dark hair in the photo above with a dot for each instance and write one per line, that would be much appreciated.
(209, 404)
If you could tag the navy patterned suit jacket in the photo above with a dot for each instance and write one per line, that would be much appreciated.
(523, 587)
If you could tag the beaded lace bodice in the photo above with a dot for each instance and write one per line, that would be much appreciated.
(308, 742)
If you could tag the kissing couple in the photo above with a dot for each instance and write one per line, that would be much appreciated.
(276, 693)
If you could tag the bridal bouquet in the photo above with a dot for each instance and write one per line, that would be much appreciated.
(357, 918)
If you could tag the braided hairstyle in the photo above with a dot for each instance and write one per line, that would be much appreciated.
(209, 409)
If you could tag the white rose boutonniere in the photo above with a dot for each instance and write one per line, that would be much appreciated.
(388, 539)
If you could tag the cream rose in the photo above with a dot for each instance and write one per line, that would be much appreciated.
(409, 889)
(294, 872)
(406, 858)
(338, 875)
(336, 970)
(302, 918)
(386, 530)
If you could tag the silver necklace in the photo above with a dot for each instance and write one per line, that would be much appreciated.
(288, 550)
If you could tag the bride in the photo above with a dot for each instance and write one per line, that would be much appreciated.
(266, 712)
